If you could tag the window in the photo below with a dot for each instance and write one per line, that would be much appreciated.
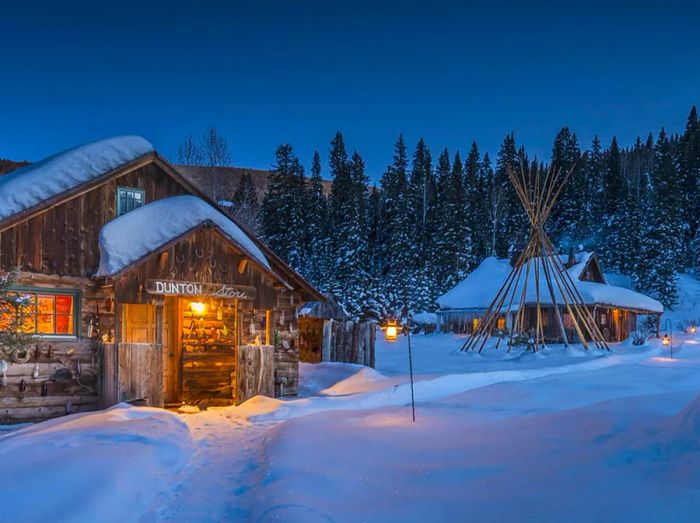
(501, 323)
(50, 314)
(129, 199)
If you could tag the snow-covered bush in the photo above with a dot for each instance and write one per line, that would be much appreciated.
(638, 337)
(686, 325)
(645, 330)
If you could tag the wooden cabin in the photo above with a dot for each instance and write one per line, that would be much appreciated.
(141, 289)
(615, 309)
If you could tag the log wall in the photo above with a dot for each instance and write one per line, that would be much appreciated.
(68, 368)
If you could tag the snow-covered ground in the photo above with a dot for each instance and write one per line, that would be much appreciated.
(565, 435)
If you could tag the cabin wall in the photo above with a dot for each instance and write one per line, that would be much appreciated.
(63, 240)
(69, 376)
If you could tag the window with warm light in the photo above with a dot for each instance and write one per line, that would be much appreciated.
(475, 323)
(50, 314)
(501, 324)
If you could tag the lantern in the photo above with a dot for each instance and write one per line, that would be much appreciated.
(693, 328)
(391, 331)
(197, 307)
(666, 340)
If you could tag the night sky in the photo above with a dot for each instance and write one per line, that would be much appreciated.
(264, 73)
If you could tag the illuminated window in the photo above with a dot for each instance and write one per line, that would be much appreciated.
(501, 324)
(129, 199)
(475, 323)
(49, 314)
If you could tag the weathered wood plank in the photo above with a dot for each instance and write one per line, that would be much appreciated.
(256, 372)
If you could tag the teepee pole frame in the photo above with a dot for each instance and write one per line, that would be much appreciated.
(538, 195)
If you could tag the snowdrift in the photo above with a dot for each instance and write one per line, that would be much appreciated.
(102, 466)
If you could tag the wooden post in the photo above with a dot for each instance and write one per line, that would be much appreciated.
(157, 361)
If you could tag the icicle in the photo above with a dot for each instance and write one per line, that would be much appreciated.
(35, 374)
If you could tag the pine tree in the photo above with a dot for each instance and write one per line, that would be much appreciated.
(507, 215)
(688, 165)
(346, 235)
(15, 312)
(283, 223)
(475, 208)
(423, 202)
(398, 247)
(246, 205)
(661, 241)
(567, 214)
(317, 241)
(609, 247)
(593, 168)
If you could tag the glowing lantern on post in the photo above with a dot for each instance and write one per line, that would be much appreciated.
(666, 340)
(391, 331)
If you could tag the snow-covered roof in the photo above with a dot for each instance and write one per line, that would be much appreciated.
(478, 290)
(135, 234)
(26, 187)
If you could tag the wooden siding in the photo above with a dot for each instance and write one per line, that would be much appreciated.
(204, 256)
(63, 240)
(133, 372)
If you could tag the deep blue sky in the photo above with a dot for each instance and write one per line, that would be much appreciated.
(270, 72)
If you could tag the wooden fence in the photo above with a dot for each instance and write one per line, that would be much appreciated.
(353, 342)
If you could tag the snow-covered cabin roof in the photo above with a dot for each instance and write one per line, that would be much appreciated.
(477, 291)
(329, 309)
(26, 187)
(160, 222)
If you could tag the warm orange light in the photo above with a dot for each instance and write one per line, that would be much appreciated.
(197, 307)
(666, 340)
(693, 329)
(391, 331)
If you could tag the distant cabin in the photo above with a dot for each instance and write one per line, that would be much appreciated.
(614, 308)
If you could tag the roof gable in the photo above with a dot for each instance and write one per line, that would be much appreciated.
(26, 188)
(159, 223)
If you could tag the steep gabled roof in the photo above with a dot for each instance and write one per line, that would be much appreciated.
(160, 222)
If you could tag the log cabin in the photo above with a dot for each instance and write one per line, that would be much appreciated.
(615, 309)
(140, 289)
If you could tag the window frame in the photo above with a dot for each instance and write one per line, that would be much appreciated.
(118, 197)
(74, 293)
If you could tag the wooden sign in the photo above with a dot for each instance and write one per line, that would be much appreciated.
(190, 288)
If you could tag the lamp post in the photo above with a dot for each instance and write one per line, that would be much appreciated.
(693, 330)
(667, 340)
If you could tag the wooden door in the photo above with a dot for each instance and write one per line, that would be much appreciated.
(139, 323)
(171, 349)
